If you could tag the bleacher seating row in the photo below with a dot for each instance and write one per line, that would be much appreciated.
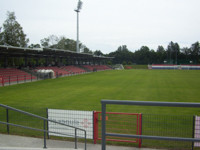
(9, 75)
(14, 75)
(73, 69)
(97, 67)
(57, 71)
(65, 70)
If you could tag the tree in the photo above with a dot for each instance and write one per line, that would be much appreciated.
(195, 50)
(56, 42)
(13, 32)
(67, 44)
(185, 55)
(98, 53)
(34, 46)
(122, 55)
(160, 49)
(161, 54)
(173, 50)
(50, 42)
(142, 56)
(85, 49)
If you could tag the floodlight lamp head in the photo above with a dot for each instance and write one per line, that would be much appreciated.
(79, 6)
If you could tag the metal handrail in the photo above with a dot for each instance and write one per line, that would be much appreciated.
(43, 130)
(142, 103)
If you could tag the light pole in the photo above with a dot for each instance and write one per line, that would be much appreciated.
(79, 6)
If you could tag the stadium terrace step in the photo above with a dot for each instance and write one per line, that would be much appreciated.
(96, 67)
(57, 71)
(15, 75)
(73, 69)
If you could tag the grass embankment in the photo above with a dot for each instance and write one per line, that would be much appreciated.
(84, 92)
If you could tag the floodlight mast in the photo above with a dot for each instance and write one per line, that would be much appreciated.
(79, 6)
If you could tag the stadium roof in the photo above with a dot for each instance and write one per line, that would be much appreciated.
(12, 51)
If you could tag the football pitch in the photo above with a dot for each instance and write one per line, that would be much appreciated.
(84, 92)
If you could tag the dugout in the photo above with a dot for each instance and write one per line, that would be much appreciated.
(11, 56)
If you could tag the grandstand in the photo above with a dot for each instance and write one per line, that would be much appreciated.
(21, 64)
(73, 69)
(56, 70)
(97, 67)
(15, 75)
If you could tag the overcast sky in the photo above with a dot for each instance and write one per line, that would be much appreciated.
(107, 24)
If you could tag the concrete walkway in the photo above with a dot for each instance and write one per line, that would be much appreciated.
(12, 142)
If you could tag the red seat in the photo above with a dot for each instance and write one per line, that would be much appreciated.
(73, 69)
(13, 75)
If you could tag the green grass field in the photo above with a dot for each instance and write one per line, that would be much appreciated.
(84, 92)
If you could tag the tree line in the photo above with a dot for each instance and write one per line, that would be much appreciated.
(173, 54)
(13, 35)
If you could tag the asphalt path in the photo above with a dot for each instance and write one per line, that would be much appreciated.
(13, 142)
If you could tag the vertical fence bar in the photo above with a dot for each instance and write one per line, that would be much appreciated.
(24, 78)
(7, 119)
(45, 144)
(140, 130)
(137, 132)
(47, 123)
(85, 141)
(17, 79)
(9, 80)
(103, 127)
(95, 126)
(2, 80)
(193, 130)
(75, 138)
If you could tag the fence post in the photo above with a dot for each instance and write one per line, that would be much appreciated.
(9, 80)
(75, 138)
(193, 130)
(85, 140)
(140, 130)
(95, 126)
(45, 145)
(103, 128)
(7, 119)
(47, 123)
(2, 80)
(56, 74)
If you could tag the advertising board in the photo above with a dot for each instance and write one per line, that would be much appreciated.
(79, 119)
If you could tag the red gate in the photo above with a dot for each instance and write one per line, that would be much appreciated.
(124, 123)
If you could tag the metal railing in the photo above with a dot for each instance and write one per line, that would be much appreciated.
(43, 130)
(142, 103)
